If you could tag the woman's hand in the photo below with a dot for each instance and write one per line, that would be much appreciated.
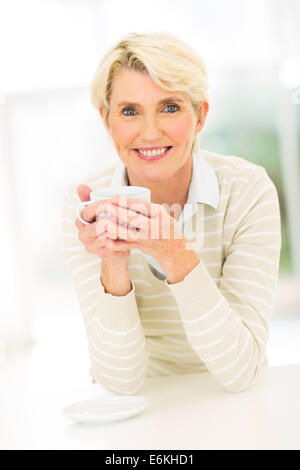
(146, 226)
(91, 235)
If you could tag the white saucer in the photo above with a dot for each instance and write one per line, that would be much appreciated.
(106, 409)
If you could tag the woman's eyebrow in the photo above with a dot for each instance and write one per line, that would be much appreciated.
(165, 100)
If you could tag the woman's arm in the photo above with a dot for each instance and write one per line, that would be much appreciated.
(116, 340)
(115, 279)
(228, 324)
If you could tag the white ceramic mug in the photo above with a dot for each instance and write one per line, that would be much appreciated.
(136, 192)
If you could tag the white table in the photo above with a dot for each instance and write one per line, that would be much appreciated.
(186, 412)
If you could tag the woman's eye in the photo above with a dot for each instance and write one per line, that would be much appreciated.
(172, 106)
(127, 109)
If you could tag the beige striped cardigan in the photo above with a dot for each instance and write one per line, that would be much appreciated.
(216, 319)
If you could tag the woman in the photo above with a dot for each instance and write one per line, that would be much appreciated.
(164, 305)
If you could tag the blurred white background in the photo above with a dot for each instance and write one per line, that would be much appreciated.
(51, 136)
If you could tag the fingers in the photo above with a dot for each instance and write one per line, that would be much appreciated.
(83, 192)
(87, 233)
(148, 209)
(89, 212)
(132, 211)
(114, 230)
(127, 216)
(100, 229)
(124, 223)
(102, 244)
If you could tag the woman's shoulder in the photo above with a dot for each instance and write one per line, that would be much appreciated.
(234, 172)
(229, 165)
(241, 182)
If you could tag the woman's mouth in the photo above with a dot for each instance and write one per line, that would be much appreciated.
(154, 155)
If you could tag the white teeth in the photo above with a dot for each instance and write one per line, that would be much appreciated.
(151, 153)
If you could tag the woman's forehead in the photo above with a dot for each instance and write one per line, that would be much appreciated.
(133, 87)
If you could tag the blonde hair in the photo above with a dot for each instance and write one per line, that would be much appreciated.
(171, 63)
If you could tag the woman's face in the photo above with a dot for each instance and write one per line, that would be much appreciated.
(138, 118)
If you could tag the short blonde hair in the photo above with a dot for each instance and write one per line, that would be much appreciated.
(171, 63)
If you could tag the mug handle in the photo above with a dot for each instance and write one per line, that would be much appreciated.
(80, 207)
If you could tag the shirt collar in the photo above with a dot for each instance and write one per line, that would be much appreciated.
(204, 187)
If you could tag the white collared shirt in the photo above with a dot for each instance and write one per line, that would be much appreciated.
(204, 189)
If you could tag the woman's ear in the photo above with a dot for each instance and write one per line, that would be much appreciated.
(203, 110)
(101, 111)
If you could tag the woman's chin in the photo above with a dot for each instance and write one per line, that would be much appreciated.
(153, 176)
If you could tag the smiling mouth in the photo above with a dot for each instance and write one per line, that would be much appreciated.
(154, 156)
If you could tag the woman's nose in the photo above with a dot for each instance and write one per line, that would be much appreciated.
(152, 130)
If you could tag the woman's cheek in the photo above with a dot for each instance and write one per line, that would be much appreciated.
(180, 129)
(123, 134)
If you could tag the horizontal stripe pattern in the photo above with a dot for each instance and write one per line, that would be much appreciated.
(223, 327)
